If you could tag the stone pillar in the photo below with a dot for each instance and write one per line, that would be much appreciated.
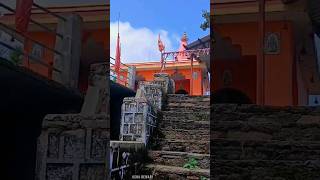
(132, 76)
(165, 81)
(70, 46)
(137, 119)
(153, 93)
(76, 146)
(98, 93)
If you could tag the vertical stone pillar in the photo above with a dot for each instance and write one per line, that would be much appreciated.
(70, 45)
(76, 146)
(137, 120)
(131, 76)
(165, 81)
(98, 93)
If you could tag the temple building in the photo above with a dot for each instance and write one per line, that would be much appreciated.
(178, 66)
(267, 53)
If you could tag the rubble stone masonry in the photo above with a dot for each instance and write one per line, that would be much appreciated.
(258, 142)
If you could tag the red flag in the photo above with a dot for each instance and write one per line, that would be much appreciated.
(118, 55)
(23, 13)
(160, 44)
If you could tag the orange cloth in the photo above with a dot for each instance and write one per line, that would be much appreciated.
(23, 13)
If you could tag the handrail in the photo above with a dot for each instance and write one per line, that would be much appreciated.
(29, 38)
(124, 79)
(33, 58)
(121, 63)
(111, 70)
(49, 12)
(33, 21)
(113, 64)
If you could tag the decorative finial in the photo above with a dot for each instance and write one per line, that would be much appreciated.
(184, 37)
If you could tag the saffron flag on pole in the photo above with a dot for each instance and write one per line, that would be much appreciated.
(160, 44)
(118, 57)
(23, 13)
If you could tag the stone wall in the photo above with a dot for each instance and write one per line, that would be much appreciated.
(255, 142)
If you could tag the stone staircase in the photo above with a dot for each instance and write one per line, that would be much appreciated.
(183, 134)
(254, 142)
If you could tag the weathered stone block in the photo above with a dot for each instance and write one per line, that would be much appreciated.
(59, 172)
(137, 120)
(73, 147)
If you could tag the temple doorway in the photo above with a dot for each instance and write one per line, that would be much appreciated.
(230, 96)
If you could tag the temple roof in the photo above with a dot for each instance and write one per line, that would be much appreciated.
(89, 13)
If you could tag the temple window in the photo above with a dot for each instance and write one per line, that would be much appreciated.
(37, 50)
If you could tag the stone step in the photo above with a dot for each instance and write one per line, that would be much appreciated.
(175, 158)
(187, 98)
(194, 134)
(176, 173)
(170, 124)
(188, 103)
(265, 130)
(234, 110)
(270, 122)
(184, 116)
(263, 170)
(190, 109)
(264, 150)
(191, 146)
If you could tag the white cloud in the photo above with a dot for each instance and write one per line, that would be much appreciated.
(137, 44)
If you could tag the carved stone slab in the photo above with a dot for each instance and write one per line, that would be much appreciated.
(73, 147)
(137, 120)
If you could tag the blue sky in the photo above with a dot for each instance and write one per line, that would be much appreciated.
(148, 18)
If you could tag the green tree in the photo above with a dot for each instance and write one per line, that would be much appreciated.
(206, 24)
(16, 56)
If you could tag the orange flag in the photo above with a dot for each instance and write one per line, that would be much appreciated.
(160, 44)
(23, 13)
(118, 56)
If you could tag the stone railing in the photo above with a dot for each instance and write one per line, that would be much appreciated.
(139, 116)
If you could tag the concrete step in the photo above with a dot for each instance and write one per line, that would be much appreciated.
(185, 116)
(176, 158)
(264, 150)
(263, 170)
(194, 134)
(176, 173)
(191, 146)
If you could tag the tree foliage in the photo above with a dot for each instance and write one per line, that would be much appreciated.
(206, 24)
